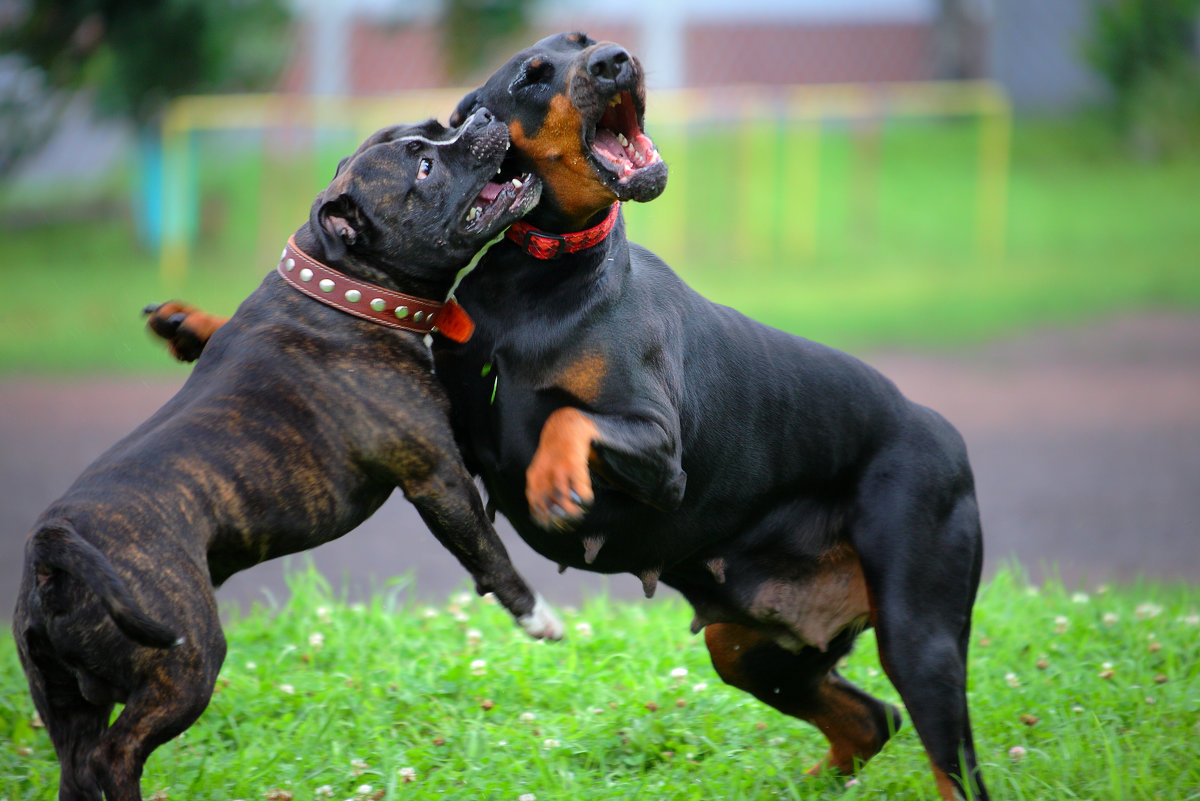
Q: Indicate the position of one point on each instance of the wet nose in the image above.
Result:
(608, 62)
(483, 116)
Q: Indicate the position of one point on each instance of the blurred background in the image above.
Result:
(1002, 192)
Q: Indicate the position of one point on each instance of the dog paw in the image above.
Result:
(558, 483)
(542, 623)
(185, 328)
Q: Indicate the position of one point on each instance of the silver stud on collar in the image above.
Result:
(306, 274)
(353, 295)
(401, 312)
(326, 284)
(283, 255)
(290, 264)
(418, 317)
(378, 304)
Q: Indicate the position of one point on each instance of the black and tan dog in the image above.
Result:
(623, 423)
(297, 424)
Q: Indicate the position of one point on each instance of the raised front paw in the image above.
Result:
(558, 484)
(185, 328)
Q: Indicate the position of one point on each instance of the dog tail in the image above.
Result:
(60, 547)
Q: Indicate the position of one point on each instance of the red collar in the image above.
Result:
(545, 245)
(370, 302)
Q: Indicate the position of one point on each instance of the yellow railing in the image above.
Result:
(803, 109)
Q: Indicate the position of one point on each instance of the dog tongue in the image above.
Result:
(490, 191)
(606, 142)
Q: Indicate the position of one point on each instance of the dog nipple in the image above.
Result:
(591, 547)
(649, 582)
(717, 568)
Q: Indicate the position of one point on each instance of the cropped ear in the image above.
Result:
(339, 224)
(464, 108)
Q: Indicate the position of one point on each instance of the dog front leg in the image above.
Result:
(449, 504)
(640, 456)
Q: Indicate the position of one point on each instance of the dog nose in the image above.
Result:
(484, 116)
(608, 62)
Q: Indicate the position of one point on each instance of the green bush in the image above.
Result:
(1146, 51)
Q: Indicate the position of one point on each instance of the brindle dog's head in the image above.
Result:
(574, 109)
(422, 197)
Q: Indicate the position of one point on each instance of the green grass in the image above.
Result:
(895, 259)
(1112, 678)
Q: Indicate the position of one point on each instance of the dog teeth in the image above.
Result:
(621, 138)
(517, 183)
(616, 101)
(474, 213)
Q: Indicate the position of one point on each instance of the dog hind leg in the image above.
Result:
(923, 624)
(75, 725)
(805, 685)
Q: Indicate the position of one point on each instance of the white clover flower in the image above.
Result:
(583, 629)
(357, 766)
(1190, 620)
(464, 598)
(324, 791)
(407, 774)
(550, 742)
(316, 639)
(852, 783)
(1011, 680)
(489, 598)
(1147, 610)
(776, 741)
(1080, 598)
(700, 687)
(1032, 591)
(364, 789)
(474, 636)
(287, 689)
(527, 717)
(527, 797)
(251, 666)
(461, 617)
(679, 673)
(479, 667)
(324, 616)
(1110, 618)
(358, 608)
(429, 612)
(1060, 624)
(1016, 753)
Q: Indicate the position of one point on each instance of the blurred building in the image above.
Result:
(372, 47)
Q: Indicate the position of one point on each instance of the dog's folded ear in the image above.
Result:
(339, 224)
(464, 108)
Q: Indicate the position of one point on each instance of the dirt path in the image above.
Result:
(1085, 443)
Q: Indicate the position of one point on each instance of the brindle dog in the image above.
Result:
(296, 425)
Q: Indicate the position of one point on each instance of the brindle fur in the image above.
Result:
(295, 426)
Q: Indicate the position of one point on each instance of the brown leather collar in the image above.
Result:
(370, 302)
(545, 245)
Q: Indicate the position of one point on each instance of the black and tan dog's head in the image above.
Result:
(422, 196)
(575, 109)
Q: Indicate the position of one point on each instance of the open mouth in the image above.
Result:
(618, 144)
(502, 201)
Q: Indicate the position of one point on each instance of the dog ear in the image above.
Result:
(464, 108)
(339, 225)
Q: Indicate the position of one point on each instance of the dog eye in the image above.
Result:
(413, 147)
(534, 71)
(424, 169)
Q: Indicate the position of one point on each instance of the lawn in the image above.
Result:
(1088, 693)
(883, 253)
